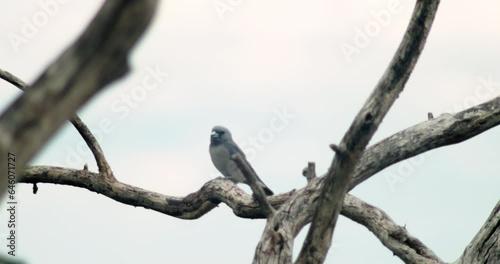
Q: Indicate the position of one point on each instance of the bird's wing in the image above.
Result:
(233, 149)
(233, 169)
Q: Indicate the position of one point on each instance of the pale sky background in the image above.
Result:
(262, 57)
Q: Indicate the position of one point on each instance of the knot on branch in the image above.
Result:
(309, 172)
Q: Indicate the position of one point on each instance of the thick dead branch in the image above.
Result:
(485, 246)
(97, 58)
(354, 142)
(444, 130)
(441, 131)
(191, 206)
(276, 244)
(84, 131)
(396, 238)
(251, 179)
(299, 212)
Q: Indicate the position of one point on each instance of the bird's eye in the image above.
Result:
(222, 132)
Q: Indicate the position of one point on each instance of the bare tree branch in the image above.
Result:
(251, 179)
(191, 206)
(102, 163)
(299, 205)
(441, 131)
(447, 129)
(362, 129)
(299, 212)
(394, 237)
(485, 246)
(277, 241)
(11, 78)
(97, 58)
(84, 131)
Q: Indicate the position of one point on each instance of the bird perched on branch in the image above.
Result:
(222, 147)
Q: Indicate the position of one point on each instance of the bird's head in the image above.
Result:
(220, 134)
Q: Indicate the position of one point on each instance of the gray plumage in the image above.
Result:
(222, 147)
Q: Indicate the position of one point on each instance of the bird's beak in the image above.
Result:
(214, 134)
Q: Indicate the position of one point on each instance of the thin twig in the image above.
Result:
(92, 143)
(84, 131)
(9, 77)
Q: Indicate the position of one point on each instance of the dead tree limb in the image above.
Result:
(366, 122)
(485, 246)
(396, 238)
(97, 58)
(84, 131)
(441, 131)
(445, 130)
(191, 206)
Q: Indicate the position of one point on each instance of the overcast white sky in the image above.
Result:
(243, 68)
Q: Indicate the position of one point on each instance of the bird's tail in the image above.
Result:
(266, 189)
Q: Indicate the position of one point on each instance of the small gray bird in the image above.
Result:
(222, 147)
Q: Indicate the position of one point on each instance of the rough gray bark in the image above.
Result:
(447, 129)
(354, 142)
(485, 246)
(97, 58)
(396, 238)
